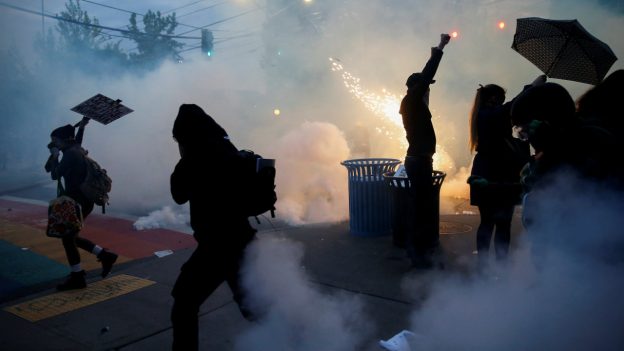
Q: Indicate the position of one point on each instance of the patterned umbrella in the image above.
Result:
(563, 49)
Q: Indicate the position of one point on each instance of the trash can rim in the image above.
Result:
(389, 176)
(354, 160)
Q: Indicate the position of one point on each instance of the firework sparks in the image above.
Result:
(386, 106)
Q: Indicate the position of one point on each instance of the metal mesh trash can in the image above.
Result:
(400, 201)
(369, 196)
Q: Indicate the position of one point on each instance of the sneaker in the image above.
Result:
(108, 259)
(76, 280)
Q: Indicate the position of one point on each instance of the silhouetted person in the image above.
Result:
(72, 170)
(422, 237)
(545, 116)
(495, 175)
(601, 114)
(568, 151)
(208, 177)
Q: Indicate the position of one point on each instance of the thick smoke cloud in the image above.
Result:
(296, 314)
(282, 64)
(311, 189)
(562, 290)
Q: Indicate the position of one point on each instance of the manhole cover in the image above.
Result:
(454, 228)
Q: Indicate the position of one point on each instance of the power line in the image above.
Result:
(177, 17)
(181, 7)
(138, 14)
(202, 9)
(95, 25)
(221, 21)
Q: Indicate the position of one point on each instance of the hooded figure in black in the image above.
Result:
(72, 170)
(422, 237)
(207, 176)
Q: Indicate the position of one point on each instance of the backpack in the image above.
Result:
(97, 183)
(258, 184)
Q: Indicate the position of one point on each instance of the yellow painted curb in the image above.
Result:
(61, 302)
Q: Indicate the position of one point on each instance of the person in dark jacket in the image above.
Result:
(206, 176)
(495, 177)
(422, 238)
(72, 170)
(544, 115)
(601, 115)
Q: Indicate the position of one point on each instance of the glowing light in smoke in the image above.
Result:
(454, 34)
(277, 112)
(386, 105)
(501, 25)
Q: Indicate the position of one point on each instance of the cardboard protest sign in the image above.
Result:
(102, 109)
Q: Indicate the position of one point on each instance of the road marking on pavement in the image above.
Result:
(454, 228)
(62, 302)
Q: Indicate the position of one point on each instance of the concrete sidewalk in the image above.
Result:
(371, 269)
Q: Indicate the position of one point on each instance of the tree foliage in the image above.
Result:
(76, 36)
(80, 43)
(152, 46)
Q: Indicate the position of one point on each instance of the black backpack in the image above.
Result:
(258, 184)
(97, 183)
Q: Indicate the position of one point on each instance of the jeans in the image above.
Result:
(499, 218)
(422, 236)
(200, 276)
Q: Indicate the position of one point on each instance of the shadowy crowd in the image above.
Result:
(585, 138)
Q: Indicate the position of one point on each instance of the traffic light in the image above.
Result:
(207, 42)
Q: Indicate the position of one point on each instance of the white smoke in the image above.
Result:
(296, 314)
(380, 43)
(311, 184)
(562, 290)
(164, 218)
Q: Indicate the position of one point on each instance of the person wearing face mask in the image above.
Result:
(422, 237)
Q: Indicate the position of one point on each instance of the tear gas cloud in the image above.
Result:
(281, 64)
(561, 291)
(296, 315)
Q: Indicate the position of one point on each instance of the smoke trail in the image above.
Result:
(166, 217)
(297, 316)
(561, 292)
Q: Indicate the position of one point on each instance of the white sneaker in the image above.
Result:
(398, 342)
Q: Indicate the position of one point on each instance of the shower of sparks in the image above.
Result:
(386, 106)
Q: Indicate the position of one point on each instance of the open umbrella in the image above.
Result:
(563, 49)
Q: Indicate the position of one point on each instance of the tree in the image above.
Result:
(76, 36)
(80, 44)
(152, 46)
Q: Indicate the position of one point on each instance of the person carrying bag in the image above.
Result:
(71, 207)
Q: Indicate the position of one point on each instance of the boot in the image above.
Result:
(76, 280)
(108, 259)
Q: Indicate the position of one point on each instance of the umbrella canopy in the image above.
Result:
(563, 49)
